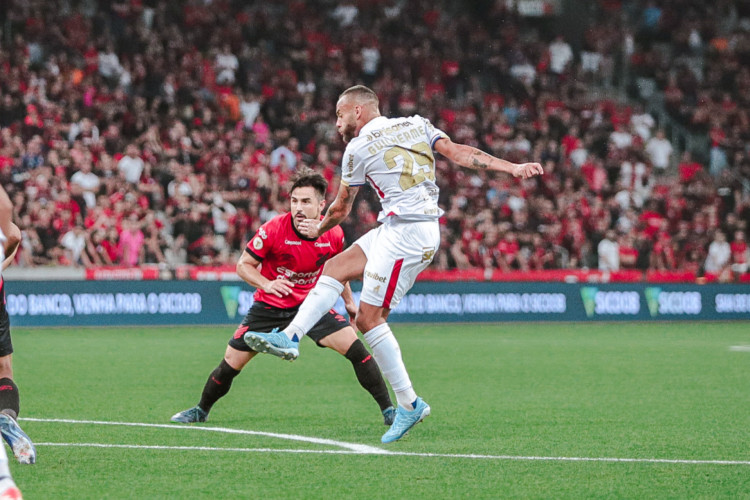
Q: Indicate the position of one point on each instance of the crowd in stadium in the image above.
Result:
(147, 131)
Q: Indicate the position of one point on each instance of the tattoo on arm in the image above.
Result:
(349, 194)
(477, 162)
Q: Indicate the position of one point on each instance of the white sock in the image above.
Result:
(319, 301)
(387, 353)
(4, 470)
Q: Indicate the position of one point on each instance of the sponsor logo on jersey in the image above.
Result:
(375, 276)
(319, 244)
(295, 277)
(292, 242)
(350, 165)
(376, 134)
(257, 243)
(262, 233)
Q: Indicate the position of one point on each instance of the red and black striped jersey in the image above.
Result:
(285, 253)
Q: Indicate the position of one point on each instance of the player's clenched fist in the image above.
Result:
(526, 170)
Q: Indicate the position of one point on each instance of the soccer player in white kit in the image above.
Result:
(395, 155)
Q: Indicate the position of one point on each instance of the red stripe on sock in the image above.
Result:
(392, 282)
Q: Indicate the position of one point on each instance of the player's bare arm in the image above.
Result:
(11, 246)
(337, 212)
(247, 269)
(471, 157)
(10, 230)
(351, 307)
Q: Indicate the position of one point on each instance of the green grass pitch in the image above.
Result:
(598, 410)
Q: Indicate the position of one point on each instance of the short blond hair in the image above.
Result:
(362, 94)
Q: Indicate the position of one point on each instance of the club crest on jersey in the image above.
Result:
(257, 243)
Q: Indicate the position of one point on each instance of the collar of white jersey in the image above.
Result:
(373, 124)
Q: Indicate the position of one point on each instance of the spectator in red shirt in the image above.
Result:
(740, 253)
(652, 218)
(507, 252)
(628, 252)
(688, 167)
(663, 253)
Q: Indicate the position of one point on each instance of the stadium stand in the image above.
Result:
(142, 133)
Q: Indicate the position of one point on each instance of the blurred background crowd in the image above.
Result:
(147, 131)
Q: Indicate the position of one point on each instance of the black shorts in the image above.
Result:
(263, 318)
(6, 346)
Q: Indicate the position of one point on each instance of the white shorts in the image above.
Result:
(397, 251)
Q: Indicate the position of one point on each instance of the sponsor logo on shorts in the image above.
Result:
(427, 254)
(375, 276)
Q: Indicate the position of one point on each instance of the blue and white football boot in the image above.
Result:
(273, 342)
(405, 420)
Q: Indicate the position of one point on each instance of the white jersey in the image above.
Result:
(395, 156)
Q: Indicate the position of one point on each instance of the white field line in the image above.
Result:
(360, 448)
(740, 348)
(349, 448)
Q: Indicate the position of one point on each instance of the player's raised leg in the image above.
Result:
(321, 299)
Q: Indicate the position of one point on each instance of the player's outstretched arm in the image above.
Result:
(471, 157)
(337, 212)
(247, 269)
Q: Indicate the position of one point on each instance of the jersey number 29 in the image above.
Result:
(421, 153)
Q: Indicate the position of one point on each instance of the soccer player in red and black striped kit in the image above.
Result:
(283, 265)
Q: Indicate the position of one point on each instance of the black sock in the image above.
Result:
(217, 385)
(9, 400)
(368, 373)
